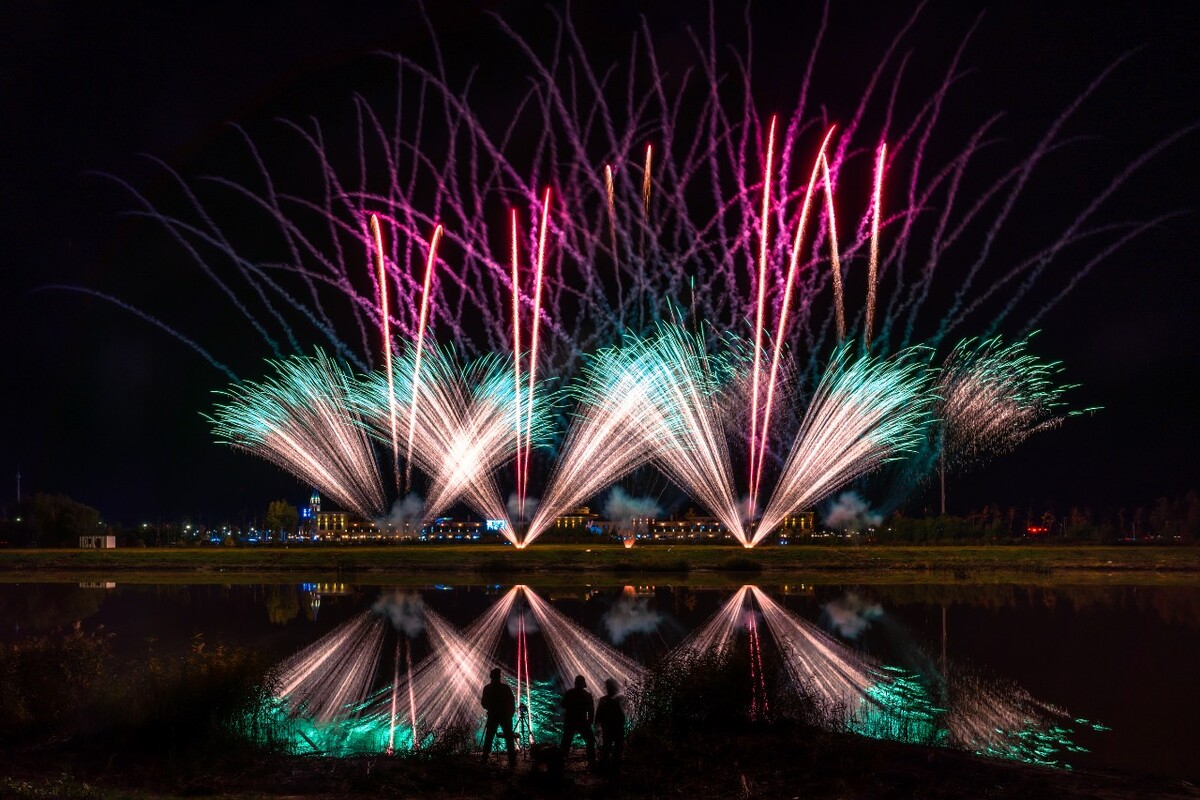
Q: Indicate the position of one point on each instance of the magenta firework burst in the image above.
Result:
(670, 185)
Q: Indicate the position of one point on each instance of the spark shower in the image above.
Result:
(649, 260)
(665, 398)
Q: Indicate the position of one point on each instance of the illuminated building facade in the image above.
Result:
(308, 515)
(579, 520)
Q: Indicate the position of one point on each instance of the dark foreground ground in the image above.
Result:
(755, 764)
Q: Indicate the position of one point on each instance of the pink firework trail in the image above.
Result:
(696, 232)
(412, 412)
(646, 173)
(537, 323)
(611, 196)
(758, 703)
(516, 334)
(387, 344)
(758, 314)
(873, 264)
(391, 745)
(412, 697)
(781, 332)
(533, 339)
(835, 262)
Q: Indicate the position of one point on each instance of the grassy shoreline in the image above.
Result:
(1172, 564)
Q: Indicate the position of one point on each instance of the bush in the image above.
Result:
(63, 685)
(46, 679)
(687, 693)
(208, 698)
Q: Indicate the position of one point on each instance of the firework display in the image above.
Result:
(643, 379)
(304, 419)
(658, 399)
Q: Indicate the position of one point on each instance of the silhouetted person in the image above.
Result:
(499, 701)
(610, 719)
(578, 709)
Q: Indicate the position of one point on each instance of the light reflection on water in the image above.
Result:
(1049, 661)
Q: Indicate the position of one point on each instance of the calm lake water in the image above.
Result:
(1124, 657)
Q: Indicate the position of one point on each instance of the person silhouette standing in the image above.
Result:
(500, 704)
(610, 719)
(578, 710)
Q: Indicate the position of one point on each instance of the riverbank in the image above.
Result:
(1169, 563)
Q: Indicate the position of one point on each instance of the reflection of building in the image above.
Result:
(316, 591)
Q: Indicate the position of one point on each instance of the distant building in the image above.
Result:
(696, 527)
(98, 542)
(331, 524)
(450, 528)
(580, 520)
(342, 526)
(798, 524)
(308, 515)
(691, 526)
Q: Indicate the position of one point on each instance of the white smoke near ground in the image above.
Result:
(623, 508)
(747, 512)
(514, 620)
(851, 615)
(406, 610)
(515, 511)
(850, 512)
(630, 615)
(406, 511)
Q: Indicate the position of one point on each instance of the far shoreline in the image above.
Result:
(609, 563)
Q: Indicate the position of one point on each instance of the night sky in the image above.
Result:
(99, 405)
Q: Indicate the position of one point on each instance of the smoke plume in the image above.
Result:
(630, 615)
(514, 620)
(406, 611)
(850, 512)
(514, 507)
(408, 511)
(851, 615)
(623, 508)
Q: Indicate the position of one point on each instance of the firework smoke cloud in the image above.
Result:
(851, 512)
(849, 616)
(630, 615)
(406, 610)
